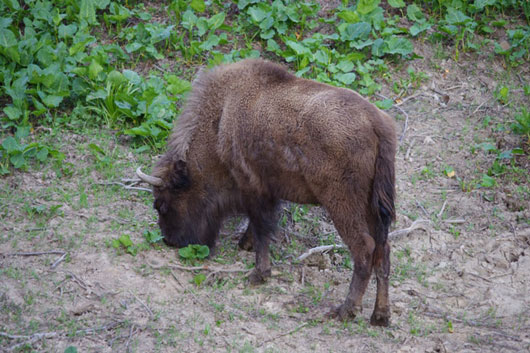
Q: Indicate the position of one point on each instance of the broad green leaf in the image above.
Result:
(210, 42)
(384, 104)
(322, 57)
(70, 349)
(198, 279)
(345, 66)
(298, 48)
(67, 31)
(359, 30)
(42, 155)
(414, 13)
(202, 26)
(419, 27)
(116, 78)
(17, 159)
(7, 38)
(5, 22)
(480, 4)
(188, 19)
(367, 6)
(177, 85)
(94, 69)
(12, 4)
(132, 76)
(347, 78)
(396, 3)
(487, 181)
(52, 101)
(198, 5)
(456, 17)
(349, 16)
(10, 144)
(398, 45)
(217, 20)
(13, 113)
(99, 94)
(87, 11)
(125, 240)
(257, 13)
(133, 47)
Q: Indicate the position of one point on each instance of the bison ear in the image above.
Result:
(179, 178)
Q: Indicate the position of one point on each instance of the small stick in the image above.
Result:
(476, 110)
(143, 304)
(392, 235)
(422, 208)
(78, 280)
(58, 261)
(37, 253)
(409, 149)
(175, 277)
(408, 98)
(298, 328)
(129, 339)
(442, 209)
(455, 221)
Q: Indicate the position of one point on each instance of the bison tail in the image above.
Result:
(383, 191)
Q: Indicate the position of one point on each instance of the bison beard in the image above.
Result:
(252, 134)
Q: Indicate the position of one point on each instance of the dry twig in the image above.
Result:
(34, 338)
(296, 329)
(58, 261)
(36, 253)
(418, 224)
(143, 304)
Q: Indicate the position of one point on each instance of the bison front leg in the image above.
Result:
(262, 224)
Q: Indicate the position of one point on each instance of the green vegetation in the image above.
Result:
(67, 61)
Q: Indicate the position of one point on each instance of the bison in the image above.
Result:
(252, 134)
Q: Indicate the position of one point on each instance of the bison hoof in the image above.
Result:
(258, 277)
(380, 318)
(344, 312)
(246, 243)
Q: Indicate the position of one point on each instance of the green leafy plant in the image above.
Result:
(194, 252)
(521, 125)
(125, 242)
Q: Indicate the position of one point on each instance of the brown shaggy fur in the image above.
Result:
(252, 134)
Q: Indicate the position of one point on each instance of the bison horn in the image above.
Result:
(149, 179)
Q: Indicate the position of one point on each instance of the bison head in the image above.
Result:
(182, 215)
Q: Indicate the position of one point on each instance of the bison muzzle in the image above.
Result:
(252, 134)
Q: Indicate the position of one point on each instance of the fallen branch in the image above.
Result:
(418, 224)
(442, 209)
(58, 261)
(213, 270)
(34, 338)
(36, 253)
(143, 304)
(298, 328)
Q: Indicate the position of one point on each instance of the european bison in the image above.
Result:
(252, 134)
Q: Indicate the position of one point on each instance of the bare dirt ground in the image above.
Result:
(459, 284)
